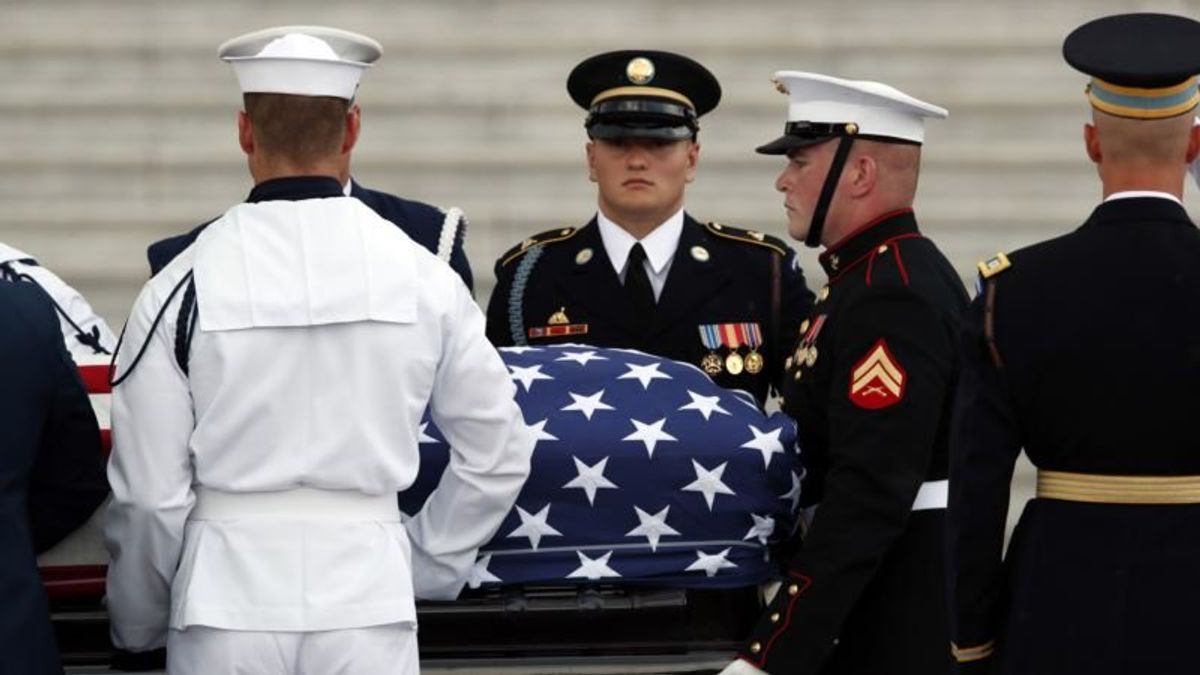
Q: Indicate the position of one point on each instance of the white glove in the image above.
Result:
(740, 667)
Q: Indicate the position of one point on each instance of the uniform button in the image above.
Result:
(793, 589)
(787, 365)
(775, 617)
(799, 374)
(755, 647)
(882, 249)
(804, 327)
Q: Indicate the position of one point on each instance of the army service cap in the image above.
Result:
(821, 107)
(300, 60)
(643, 94)
(1143, 66)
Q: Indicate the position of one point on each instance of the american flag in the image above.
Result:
(645, 471)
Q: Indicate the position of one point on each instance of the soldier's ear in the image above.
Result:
(353, 127)
(245, 133)
(1091, 141)
(1193, 149)
(861, 172)
(693, 159)
(591, 160)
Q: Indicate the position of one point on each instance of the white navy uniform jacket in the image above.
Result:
(322, 333)
(72, 306)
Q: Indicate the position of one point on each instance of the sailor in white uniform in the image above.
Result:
(268, 405)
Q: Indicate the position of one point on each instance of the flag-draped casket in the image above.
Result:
(645, 472)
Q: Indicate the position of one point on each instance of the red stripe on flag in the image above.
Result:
(95, 379)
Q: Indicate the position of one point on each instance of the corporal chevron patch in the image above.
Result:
(878, 380)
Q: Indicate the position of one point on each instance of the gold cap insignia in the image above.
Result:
(583, 256)
(640, 70)
(852, 129)
(700, 254)
(559, 318)
(779, 86)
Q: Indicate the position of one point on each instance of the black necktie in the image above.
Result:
(637, 285)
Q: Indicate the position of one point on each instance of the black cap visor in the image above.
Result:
(641, 118)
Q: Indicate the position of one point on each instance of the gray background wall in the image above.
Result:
(117, 123)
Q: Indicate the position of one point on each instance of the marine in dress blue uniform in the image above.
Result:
(725, 299)
(1081, 350)
(871, 381)
(51, 470)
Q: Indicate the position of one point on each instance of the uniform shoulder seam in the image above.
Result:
(540, 239)
(747, 237)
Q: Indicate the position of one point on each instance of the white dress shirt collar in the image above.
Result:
(659, 245)
(1133, 194)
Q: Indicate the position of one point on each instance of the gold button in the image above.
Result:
(823, 294)
(793, 589)
(804, 327)
(882, 249)
(798, 375)
(755, 647)
(787, 365)
(775, 617)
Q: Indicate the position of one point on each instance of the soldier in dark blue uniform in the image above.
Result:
(51, 470)
(643, 273)
(871, 382)
(1083, 351)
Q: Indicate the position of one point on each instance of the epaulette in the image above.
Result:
(547, 237)
(747, 237)
(994, 265)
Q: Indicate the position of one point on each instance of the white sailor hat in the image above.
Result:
(300, 60)
(821, 107)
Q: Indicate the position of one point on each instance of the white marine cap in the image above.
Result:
(821, 107)
(300, 60)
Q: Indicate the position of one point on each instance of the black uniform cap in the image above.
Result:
(1143, 65)
(643, 94)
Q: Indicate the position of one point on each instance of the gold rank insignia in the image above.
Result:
(878, 380)
(994, 265)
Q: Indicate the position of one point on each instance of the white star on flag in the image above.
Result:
(534, 527)
(764, 527)
(766, 443)
(540, 433)
(652, 527)
(593, 569)
(581, 358)
(423, 437)
(588, 405)
(711, 564)
(527, 376)
(705, 405)
(479, 574)
(590, 478)
(649, 434)
(519, 350)
(708, 483)
(644, 374)
(793, 494)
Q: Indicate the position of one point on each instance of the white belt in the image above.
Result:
(305, 503)
(932, 495)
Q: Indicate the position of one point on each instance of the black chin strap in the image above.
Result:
(813, 239)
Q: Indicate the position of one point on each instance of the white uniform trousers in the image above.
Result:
(374, 650)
